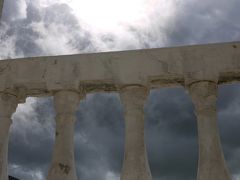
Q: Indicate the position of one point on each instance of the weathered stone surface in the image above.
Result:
(63, 165)
(151, 67)
(135, 164)
(8, 104)
(211, 163)
(1, 7)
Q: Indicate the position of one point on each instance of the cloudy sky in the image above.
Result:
(55, 27)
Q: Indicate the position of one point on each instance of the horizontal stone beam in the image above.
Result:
(37, 76)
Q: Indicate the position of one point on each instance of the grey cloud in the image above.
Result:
(229, 124)
(100, 122)
(30, 34)
(12, 9)
(193, 22)
(205, 22)
(171, 135)
(31, 138)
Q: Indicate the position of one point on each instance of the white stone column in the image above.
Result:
(63, 164)
(8, 104)
(135, 164)
(211, 163)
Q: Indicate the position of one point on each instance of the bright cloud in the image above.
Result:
(111, 14)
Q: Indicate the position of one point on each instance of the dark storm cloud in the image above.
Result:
(171, 135)
(229, 123)
(100, 124)
(193, 22)
(199, 22)
(31, 138)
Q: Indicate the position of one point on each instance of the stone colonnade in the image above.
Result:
(211, 164)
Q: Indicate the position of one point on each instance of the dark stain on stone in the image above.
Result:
(57, 133)
(234, 46)
(64, 168)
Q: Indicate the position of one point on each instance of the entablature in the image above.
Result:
(109, 71)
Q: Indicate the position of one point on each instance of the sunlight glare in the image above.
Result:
(108, 14)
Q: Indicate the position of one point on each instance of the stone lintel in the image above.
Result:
(154, 68)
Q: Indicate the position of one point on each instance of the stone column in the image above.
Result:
(63, 165)
(211, 163)
(135, 164)
(8, 104)
(1, 8)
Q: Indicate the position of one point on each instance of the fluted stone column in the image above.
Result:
(63, 165)
(8, 104)
(211, 163)
(135, 164)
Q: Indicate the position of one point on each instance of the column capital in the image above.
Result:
(8, 105)
(63, 97)
(204, 95)
(20, 92)
(134, 96)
